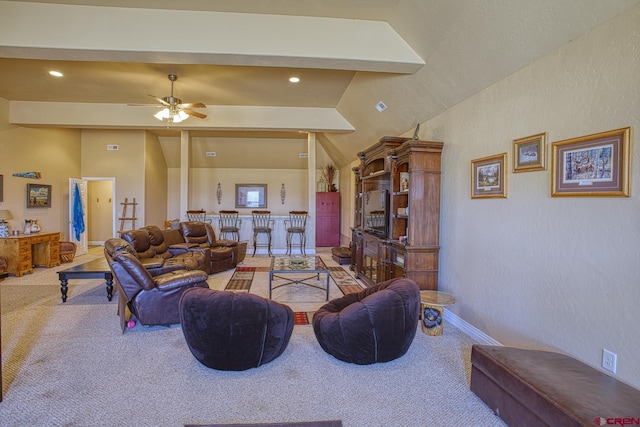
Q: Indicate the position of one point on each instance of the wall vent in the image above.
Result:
(112, 148)
(303, 155)
(210, 154)
(381, 106)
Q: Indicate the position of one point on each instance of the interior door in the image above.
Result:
(83, 246)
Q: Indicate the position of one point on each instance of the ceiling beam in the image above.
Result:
(91, 33)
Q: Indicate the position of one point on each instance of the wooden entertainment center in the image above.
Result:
(406, 172)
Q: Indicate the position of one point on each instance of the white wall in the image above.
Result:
(531, 270)
(203, 184)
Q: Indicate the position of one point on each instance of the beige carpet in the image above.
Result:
(70, 365)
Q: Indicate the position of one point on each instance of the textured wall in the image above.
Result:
(531, 270)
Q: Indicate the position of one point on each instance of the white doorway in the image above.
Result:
(101, 210)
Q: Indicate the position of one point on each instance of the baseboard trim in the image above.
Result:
(470, 330)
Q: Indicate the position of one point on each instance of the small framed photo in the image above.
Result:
(592, 166)
(404, 182)
(251, 195)
(38, 196)
(489, 177)
(530, 153)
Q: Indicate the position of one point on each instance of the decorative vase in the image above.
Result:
(4, 229)
(35, 227)
(27, 226)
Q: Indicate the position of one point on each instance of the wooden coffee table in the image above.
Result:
(96, 269)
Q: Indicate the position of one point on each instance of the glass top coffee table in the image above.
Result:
(297, 264)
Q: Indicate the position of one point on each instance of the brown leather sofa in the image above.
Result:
(161, 251)
(153, 300)
(224, 253)
(193, 245)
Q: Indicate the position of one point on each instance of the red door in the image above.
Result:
(328, 219)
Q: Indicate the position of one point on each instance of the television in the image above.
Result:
(376, 212)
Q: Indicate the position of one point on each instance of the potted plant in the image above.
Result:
(328, 174)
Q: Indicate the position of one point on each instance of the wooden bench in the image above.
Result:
(541, 388)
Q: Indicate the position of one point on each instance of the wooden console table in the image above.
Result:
(26, 251)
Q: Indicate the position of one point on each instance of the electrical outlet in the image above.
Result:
(609, 360)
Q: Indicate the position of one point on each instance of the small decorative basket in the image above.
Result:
(66, 257)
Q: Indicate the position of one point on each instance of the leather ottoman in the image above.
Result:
(542, 388)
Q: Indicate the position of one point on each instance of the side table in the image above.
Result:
(432, 304)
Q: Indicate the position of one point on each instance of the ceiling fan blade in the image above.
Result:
(193, 105)
(161, 101)
(195, 114)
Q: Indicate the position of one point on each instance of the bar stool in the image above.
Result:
(230, 224)
(262, 223)
(297, 224)
(198, 215)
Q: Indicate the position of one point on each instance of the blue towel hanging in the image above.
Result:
(78, 214)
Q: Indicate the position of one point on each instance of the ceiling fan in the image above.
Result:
(175, 110)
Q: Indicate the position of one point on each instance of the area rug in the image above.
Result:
(241, 279)
(302, 317)
(345, 282)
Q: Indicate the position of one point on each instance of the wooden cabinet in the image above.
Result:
(27, 251)
(328, 219)
(409, 170)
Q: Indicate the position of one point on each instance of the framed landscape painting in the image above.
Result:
(529, 153)
(592, 166)
(38, 196)
(489, 177)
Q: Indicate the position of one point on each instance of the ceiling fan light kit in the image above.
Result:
(174, 110)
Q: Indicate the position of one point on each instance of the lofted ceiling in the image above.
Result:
(419, 57)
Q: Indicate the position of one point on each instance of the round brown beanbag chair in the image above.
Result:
(377, 324)
(234, 331)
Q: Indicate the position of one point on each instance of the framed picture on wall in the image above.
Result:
(489, 177)
(592, 165)
(530, 153)
(251, 196)
(38, 196)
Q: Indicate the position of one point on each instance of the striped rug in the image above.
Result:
(344, 281)
(302, 317)
(241, 279)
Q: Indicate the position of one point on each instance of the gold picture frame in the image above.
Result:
(530, 153)
(594, 165)
(489, 177)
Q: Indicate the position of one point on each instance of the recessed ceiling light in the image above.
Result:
(56, 73)
(294, 79)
